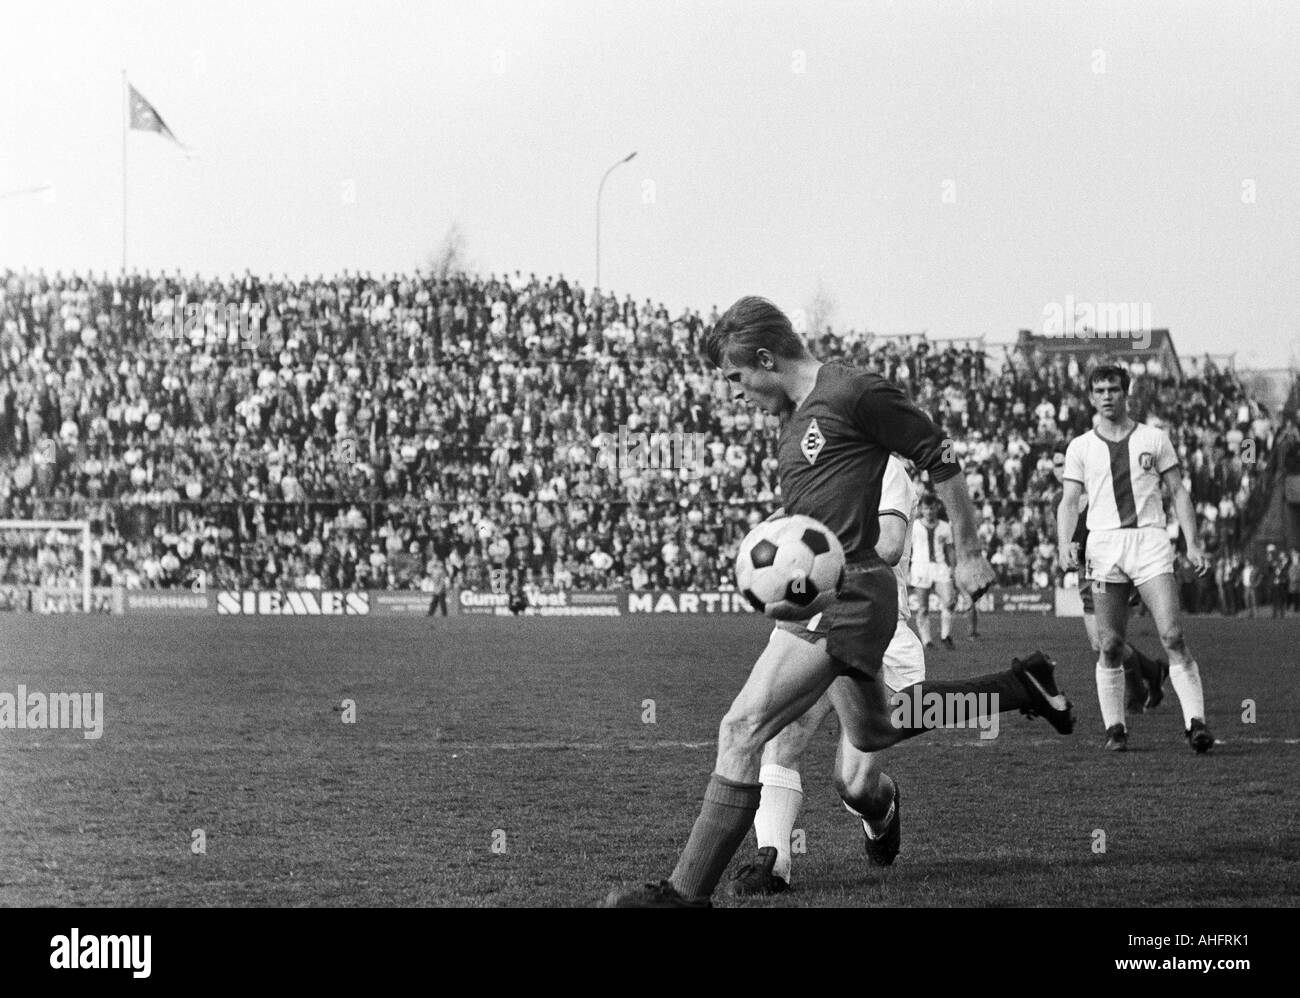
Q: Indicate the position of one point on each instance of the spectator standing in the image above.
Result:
(1293, 577)
(1249, 586)
(1280, 583)
(435, 584)
(1234, 584)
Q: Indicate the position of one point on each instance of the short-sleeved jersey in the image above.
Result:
(1121, 477)
(833, 450)
(928, 542)
(898, 498)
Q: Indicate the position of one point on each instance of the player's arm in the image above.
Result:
(1067, 521)
(973, 574)
(893, 537)
(886, 415)
(1186, 514)
(950, 553)
(897, 498)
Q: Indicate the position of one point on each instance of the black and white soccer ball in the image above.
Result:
(790, 568)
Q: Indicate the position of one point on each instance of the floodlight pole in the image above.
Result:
(599, 191)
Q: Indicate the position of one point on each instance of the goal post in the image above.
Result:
(80, 526)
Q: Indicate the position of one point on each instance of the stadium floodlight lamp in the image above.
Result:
(599, 191)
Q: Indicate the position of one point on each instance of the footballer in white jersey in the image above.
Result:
(931, 539)
(1120, 465)
(1144, 676)
(1121, 477)
(932, 558)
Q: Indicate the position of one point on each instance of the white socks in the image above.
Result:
(778, 810)
(945, 624)
(1186, 681)
(1110, 693)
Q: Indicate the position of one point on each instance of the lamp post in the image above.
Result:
(27, 190)
(599, 191)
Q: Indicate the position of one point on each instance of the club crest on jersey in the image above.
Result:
(812, 442)
(1147, 460)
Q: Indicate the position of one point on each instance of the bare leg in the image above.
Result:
(1161, 596)
(923, 616)
(859, 777)
(1111, 602)
(782, 780)
(947, 603)
(788, 678)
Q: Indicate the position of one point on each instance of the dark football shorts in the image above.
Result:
(859, 625)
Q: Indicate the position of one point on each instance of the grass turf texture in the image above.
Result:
(506, 762)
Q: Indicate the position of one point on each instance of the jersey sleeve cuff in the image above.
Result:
(894, 512)
(943, 472)
(1067, 478)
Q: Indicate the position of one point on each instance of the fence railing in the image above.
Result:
(374, 513)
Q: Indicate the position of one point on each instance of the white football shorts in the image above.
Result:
(1129, 554)
(904, 659)
(925, 575)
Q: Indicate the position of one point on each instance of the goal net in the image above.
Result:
(45, 566)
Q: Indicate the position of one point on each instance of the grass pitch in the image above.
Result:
(512, 762)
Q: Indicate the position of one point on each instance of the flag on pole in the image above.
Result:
(145, 118)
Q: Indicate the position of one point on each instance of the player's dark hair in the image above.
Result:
(751, 324)
(1108, 372)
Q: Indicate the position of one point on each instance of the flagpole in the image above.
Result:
(126, 125)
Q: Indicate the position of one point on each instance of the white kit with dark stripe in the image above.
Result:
(1122, 477)
(928, 542)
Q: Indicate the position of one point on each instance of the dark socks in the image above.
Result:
(950, 703)
(724, 821)
(1134, 675)
(1149, 668)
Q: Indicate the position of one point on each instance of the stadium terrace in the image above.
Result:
(475, 408)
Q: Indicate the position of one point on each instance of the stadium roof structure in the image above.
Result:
(1152, 349)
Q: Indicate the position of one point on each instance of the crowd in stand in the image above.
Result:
(1266, 587)
(421, 432)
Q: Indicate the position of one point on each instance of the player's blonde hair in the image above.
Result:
(750, 325)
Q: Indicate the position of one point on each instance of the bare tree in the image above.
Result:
(449, 258)
(820, 309)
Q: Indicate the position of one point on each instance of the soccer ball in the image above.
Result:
(790, 568)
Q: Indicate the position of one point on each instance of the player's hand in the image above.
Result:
(1070, 556)
(1199, 559)
(974, 575)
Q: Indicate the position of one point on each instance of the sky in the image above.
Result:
(965, 169)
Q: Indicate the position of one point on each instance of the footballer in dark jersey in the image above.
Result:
(839, 427)
(833, 449)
